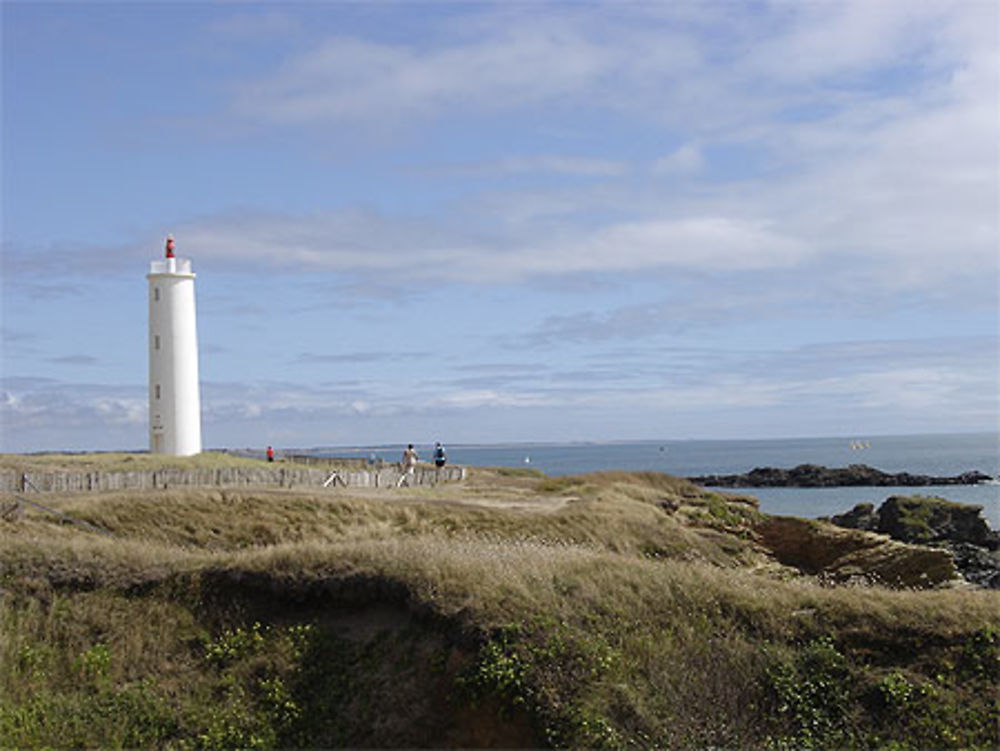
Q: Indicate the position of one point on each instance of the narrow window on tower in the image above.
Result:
(156, 294)
(156, 341)
(157, 390)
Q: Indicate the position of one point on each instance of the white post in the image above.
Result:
(174, 400)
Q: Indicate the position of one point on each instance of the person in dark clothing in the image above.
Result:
(439, 456)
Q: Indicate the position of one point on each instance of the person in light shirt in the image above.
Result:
(409, 466)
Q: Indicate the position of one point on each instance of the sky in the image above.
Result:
(481, 222)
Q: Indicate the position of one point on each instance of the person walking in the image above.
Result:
(440, 458)
(270, 454)
(409, 466)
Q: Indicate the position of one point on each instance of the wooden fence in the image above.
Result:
(12, 481)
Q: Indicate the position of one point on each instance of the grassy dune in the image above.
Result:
(605, 611)
(122, 462)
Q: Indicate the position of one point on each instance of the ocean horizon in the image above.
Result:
(938, 454)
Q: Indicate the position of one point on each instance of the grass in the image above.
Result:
(113, 461)
(605, 611)
(123, 462)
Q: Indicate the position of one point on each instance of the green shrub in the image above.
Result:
(560, 484)
(981, 654)
(896, 691)
(519, 472)
(812, 692)
(94, 664)
(234, 644)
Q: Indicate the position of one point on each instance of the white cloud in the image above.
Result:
(683, 312)
(705, 243)
(56, 405)
(918, 193)
(349, 78)
(370, 244)
(720, 69)
(815, 41)
(857, 390)
(896, 181)
(119, 411)
(891, 171)
(685, 160)
(949, 383)
(477, 398)
(902, 174)
(911, 388)
(577, 166)
(761, 162)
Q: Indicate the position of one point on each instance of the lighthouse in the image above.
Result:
(174, 401)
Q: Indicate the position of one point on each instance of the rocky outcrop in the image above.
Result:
(863, 516)
(957, 528)
(928, 520)
(853, 556)
(816, 476)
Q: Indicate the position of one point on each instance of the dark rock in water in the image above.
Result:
(815, 476)
(935, 522)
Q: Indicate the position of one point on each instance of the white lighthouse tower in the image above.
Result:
(174, 402)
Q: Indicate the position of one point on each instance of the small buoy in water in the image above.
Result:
(527, 460)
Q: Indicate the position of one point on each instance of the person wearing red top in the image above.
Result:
(270, 454)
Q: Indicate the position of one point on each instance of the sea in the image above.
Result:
(938, 454)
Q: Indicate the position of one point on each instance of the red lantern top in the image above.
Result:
(170, 246)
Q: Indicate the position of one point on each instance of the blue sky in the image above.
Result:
(491, 222)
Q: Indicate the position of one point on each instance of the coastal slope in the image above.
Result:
(510, 611)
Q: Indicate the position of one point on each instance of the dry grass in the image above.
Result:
(615, 609)
(626, 517)
(525, 537)
(122, 462)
